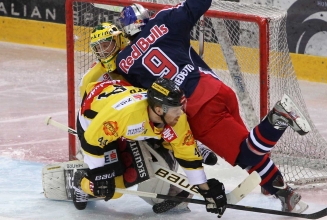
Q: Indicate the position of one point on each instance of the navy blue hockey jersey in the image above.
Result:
(162, 49)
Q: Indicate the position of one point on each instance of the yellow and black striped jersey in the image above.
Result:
(114, 109)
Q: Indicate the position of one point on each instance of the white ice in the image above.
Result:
(33, 86)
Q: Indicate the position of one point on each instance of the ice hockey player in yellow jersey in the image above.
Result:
(114, 109)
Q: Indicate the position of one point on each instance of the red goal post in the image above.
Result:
(246, 45)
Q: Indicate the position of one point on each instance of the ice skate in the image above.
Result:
(285, 113)
(291, 201)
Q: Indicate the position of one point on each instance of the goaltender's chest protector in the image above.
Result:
(162, 49)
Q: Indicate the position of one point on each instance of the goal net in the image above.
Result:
(246, 45)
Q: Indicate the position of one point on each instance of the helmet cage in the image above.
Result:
(102, 52)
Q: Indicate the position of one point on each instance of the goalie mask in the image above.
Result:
(133, 19)
(166, 94)
(106, 42)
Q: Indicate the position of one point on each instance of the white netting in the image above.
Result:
(302, 159)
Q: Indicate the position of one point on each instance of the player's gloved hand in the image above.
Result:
(103, 182)
(216, 196)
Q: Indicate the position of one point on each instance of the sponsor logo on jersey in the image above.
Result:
(135, 129)
(110, 128)
(181, 76)
(106, 76)
(160, 89)
(169, 134)
(123, 103)
(188, 139)
(110, 157)
(142, 45)
(139, 96)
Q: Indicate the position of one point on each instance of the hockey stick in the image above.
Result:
(315, 215)
(49, 121)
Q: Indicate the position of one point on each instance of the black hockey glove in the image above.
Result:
(103, 182)
(216, 196)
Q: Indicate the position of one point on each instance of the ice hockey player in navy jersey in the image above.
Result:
(160, 47)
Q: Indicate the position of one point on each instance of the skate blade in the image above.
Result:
(300, 207)
(301, 121)
(180, 209)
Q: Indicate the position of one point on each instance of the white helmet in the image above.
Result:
(133, 19)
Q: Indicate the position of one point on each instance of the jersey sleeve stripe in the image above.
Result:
(90, 113)
(195, 164)
(89, 149)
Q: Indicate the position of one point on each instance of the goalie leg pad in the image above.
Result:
(57, 179)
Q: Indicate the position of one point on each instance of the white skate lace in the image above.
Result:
(81, 196)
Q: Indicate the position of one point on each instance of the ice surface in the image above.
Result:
(33, 86)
